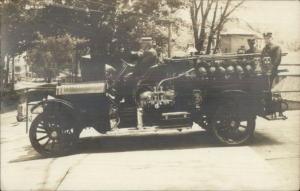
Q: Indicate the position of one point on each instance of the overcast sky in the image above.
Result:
(281, 17)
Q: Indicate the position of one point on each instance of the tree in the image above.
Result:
(52, 54)
(16, 32)
(224, 16)
(147, 18)
(108, 25)
(200, 11)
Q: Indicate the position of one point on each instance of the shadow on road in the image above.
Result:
(261, 139)
(31, 155)
(109, 144)
(147, 142)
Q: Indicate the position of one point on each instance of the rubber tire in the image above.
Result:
(64, 150)
(251, 122)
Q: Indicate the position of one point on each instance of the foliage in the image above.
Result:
(52, 53)
(17, 30)
(109, 25)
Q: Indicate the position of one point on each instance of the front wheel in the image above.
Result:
(231, 129)
(53, 135)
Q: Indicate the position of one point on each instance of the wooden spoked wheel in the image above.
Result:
(53, 135)
(228, 127)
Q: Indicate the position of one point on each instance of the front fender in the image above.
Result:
(52, 106)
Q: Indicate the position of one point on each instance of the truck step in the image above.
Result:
(176, 115)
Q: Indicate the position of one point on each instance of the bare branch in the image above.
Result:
(226, 8)
(201, 6)
(214, 16)
(212, 29)
(194, 4)
(234, 8)
(208, 8)
(222, 16)
(198, 7)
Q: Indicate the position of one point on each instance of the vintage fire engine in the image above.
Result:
(223, 94)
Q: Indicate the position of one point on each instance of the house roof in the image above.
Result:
(236, 26)
(238, 31)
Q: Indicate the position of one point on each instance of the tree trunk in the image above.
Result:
(169, 39)
(195, 27)
(212, 29)
(218, 40)
(97, 67)
(202, 37)
(209, 42)
(7, 70)
(98, 46)
(2, 75)
(76, 64)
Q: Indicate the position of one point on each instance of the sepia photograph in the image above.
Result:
(150, 95)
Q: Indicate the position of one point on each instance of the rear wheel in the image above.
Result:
(230, 128)
(53, 135)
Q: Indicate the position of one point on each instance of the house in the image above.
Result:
(235, 35)
(21, 67)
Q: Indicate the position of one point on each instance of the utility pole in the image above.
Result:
(169, 39)
(167, 19)
(169, 22)
(7, 71)
(13, 72)
(76, 64)
(2, 75)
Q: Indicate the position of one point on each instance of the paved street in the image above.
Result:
(172, 160)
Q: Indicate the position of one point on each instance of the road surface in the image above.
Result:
(168, 161)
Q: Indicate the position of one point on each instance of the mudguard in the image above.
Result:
(48, 106)
(245, 102)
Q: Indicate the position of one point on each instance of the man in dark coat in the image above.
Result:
(147, 56)
(251, 44)
(274, 52)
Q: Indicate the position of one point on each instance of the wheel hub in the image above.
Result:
(233, 123)
(53, 134)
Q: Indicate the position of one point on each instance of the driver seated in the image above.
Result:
(147, 57)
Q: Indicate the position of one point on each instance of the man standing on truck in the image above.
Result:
(274, 52)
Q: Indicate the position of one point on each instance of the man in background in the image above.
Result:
(252, 47)
(274, 52)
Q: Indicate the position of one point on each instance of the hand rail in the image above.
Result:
(217, 57)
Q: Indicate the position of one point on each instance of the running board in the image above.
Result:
(151, 129)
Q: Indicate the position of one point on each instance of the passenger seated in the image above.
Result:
(147, 57)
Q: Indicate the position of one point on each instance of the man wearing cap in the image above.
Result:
(251, 44)
(147, 56)
(272, 51)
